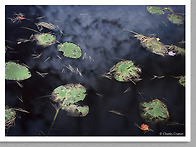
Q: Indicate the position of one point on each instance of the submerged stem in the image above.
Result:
(57, 111)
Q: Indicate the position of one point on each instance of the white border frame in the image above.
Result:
(185, 138)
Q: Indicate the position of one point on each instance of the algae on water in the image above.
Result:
(14, 71)
(154, 112)
(155, 10)
(70, 50)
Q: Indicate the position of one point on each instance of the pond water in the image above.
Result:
(100, 32)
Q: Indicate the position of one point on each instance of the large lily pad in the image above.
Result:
(154, 112)
(182, 81)
(125, 71)
(69, 94)
(155, 10)
(175, 19)
(76, 111)
(14, 71)
(70, 50)
(45, 39)
(152, 44)
(10, 116)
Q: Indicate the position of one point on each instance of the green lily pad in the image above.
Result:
(10, 116)
(182, 81)
(69, 94)
(45, 39)
(70, 50)
(175, 19)
(125, 71)
(155, 10)
(154, 112)
(177, 50)
(76, 111)
(14, 71)
(152, 44)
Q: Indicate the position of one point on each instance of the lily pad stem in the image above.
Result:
(57, 111)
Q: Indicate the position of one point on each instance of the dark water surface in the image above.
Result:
(99, 31)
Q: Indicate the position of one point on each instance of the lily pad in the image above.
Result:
(70, 50)
(10, 116)
(69, 94)
(154, 112)
(175, 19)
(76, 111)
(182, 81)
(45, 39)
(125, 71)
(14, 71)
(152, 44)
(155, 10)
(177, 50)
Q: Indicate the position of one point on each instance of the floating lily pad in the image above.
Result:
(68, 94)
(125, 71)
(45, 39)
(177, 50)
(175, 19)
(154, 112)
(182, 81)
(70, 50)
(152, 44)
(76, 111)
(10, 116)
(14, 71)
(155, 10)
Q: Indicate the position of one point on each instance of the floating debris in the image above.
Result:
(70, 50)
(41, 74)
(182, 81)
(14, 71)
(46, 59)
(168, 9)
(176, 50)
(84, 56)
(175, 19)
(128, 89)
(50, 26)
(91, 59)
(70, 68)
(157, 77)
(152, 44)
(144, 127)
(18, 17)
(154, 112)
(35, 56)
(78, 71)
(125, 71)
(99, 95)
(116, 112)
(10, 116)
(45, 39)
(155, 10)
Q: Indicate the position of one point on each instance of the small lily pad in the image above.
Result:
(10, 116)
(14, 71)
(125, 71)
(182, 81)
(154, 112)
(76, 111)
(70, 50)
(152, 44)
(69, 94)
(177, 50)
(45, 39)
(175, 19)
(155, 10)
